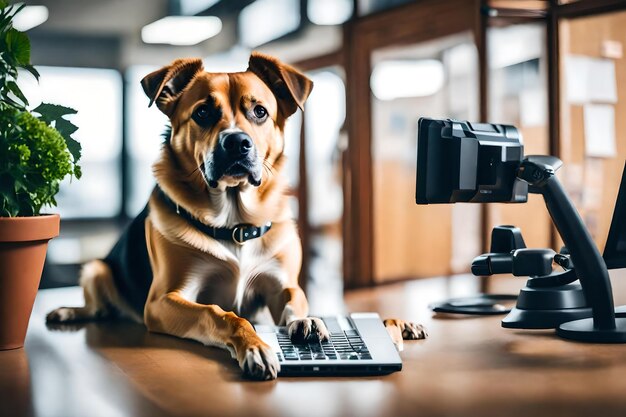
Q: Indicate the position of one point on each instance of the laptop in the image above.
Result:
(359, 345)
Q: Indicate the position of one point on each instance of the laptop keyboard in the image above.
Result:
(342, 345)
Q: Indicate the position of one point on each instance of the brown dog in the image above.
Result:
(216, 242)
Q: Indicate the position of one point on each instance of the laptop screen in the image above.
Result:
(615, 249)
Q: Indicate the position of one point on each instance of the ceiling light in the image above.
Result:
(29, 17)
(266, 20)
(181, 30)
(412, 78)
(329, 12)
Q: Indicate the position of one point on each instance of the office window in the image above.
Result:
(144, 129)
(518, 84)
(325, 115)
(325, 141)
(292, 152)
(437, 78)
(97, 96)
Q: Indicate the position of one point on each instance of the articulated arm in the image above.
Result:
(591, 270)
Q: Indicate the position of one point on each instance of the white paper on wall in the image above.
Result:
(602, 83)
(590, 79)
(599, 121)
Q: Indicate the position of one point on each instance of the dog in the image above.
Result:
(216, 242)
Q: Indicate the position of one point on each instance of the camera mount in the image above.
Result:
(548, 299)
(463, 162)
(590, 269)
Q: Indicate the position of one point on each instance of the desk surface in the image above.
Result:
(468, 367)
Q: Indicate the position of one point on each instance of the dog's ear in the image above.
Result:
(164, 86)
(289, 85)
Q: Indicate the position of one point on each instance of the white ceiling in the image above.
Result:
(74, 32)
(101, 17)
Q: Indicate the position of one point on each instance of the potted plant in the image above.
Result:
(36, 153)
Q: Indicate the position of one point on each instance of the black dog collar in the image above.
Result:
(239, 234)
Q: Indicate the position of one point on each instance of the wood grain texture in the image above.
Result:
(467, 367)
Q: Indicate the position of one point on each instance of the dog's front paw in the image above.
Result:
(62, 315)
(310, 328)
(259, 362)
(400, 330)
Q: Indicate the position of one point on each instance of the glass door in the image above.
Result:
(417, 60)
(437, 79)
(518, 95)
(324, 143)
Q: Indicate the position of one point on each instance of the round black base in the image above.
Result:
(543, 319)
(583, 331)
(481, 304)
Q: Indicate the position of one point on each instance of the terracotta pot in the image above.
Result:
(23, 244)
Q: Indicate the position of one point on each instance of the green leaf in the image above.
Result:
(15, 9)
(10, 202)
(19, 45)
(52, 112)
(13, 103)
(75, 149)
(13, 87)
(72, 145)
(65, 127)
(19, 186)
(32, 70)
(6, 16)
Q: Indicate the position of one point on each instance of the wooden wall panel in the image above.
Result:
(410, 241)
(593, 182)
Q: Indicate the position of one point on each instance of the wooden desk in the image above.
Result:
(468, 367)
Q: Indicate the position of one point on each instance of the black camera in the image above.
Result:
(459, 161)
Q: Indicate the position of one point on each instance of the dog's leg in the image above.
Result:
(290, 308)
(101, 297)
(167, 311)
(209, 324)
(400, 330)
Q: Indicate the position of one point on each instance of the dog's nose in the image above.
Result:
(237, 144)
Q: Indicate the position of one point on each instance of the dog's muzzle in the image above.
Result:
(235, 155)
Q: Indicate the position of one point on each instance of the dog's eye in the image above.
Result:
(260, 112)
(206, 115)
(202, 112)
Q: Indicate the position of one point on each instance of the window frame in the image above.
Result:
(362, 36)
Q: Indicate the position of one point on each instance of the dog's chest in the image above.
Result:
(240, 286)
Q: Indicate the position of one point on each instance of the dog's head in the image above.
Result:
(228, 125)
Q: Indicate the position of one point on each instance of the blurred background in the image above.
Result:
(553, 68)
